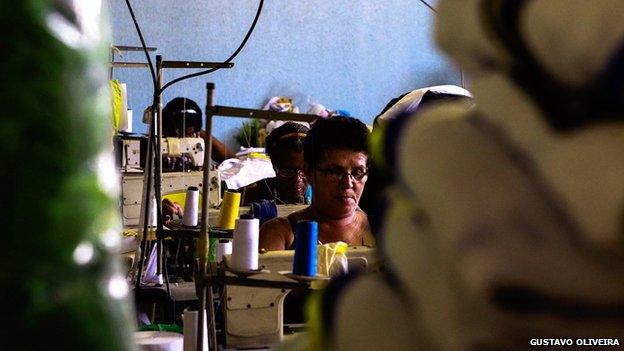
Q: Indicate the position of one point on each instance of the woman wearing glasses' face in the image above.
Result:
(285, 147)
(338, 182)
(335, 158)
(290, 181)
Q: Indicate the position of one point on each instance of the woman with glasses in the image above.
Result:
(284, 145)
(336, 165)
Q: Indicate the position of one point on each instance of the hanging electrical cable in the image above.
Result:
(224, 64)
(138, 29)
(429, 6)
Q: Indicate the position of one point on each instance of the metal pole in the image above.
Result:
(158, 163)
(146, 202)
(203, 241)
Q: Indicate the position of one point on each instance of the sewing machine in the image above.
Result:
(130, 151)
(254, 316)
(172, 183)
(191, 147)
(127, 149)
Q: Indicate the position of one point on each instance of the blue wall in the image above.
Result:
(345, 54)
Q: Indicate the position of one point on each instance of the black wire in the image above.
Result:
(429, 6)
(138, 29)
(224, 64)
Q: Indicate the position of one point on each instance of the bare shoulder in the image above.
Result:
(299, 215)
(276, 224)
(365, 232)
(276, 234)
(362, 220)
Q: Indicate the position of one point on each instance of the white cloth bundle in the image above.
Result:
(239, 172)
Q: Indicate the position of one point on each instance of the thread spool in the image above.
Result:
(306, 235)
(224, 247)
(191, 205)
(229, 210)
(245, 244)
(190, 330)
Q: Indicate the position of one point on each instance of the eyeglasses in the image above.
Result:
(290, 172)
(336, 174)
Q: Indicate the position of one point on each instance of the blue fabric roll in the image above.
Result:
(306, 234)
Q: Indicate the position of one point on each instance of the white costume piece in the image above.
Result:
(411, 101)
(502, 229)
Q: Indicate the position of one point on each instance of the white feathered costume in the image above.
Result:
(506, 222)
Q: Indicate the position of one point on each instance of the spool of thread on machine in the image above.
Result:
(245, 244)
(229, 209)
(224, 247)
(306, 235)
(191, 205)
(190, 331)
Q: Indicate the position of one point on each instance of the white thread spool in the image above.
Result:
(245, 244)
(224, 247)
(189, 319)
(191, 205)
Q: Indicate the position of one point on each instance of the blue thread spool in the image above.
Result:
(306, 234)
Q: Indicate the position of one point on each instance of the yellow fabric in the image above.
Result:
(117, 101)
(327, 254)
(259, 155)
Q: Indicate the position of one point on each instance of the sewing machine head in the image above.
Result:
(193, 148)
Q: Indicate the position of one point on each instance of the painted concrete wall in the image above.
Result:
(345, 54)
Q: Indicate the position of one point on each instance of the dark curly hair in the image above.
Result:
(289, 135)
(334, 133)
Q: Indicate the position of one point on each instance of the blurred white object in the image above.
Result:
(158, 341)
(499, 227)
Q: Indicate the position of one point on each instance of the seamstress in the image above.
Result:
(284, 145)
(182, 114)
(335, 163)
